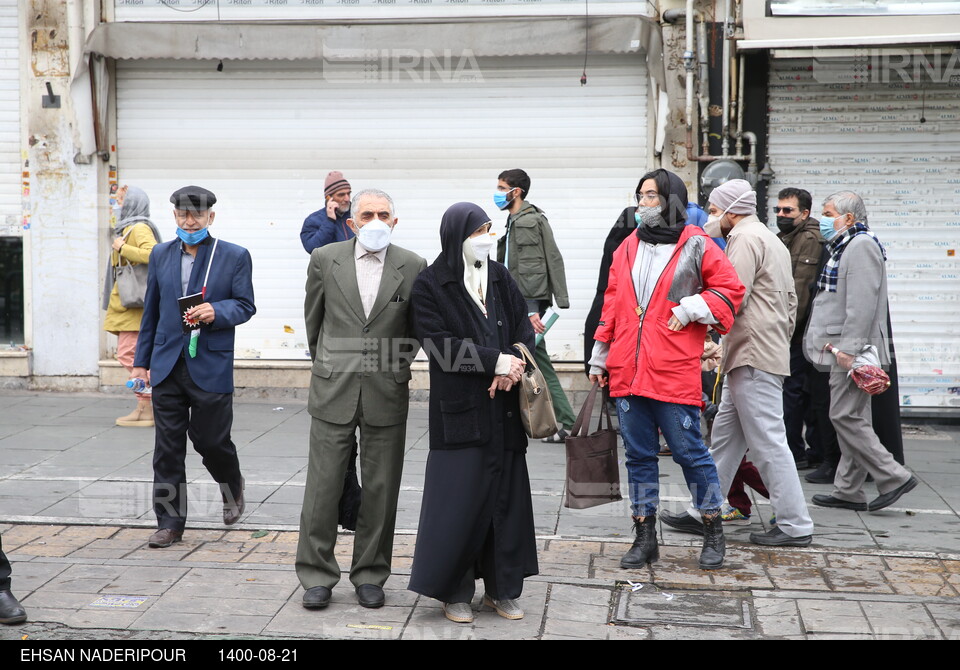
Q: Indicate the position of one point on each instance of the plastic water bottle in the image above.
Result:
(137, 385)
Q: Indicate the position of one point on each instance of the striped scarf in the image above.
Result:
(828, 277)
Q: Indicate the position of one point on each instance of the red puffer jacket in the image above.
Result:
(647, 358)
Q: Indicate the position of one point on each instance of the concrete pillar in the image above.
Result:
(64, 241)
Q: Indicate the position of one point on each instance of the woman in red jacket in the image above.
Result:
(668, 283)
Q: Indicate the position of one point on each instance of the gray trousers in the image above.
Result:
(860, 449)
(751, 417)
(381, 465)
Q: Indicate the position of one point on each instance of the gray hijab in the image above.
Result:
(136, 209)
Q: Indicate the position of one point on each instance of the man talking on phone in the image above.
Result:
(330, 223)
(321, 228)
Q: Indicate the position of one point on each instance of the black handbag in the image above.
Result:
(593, 471)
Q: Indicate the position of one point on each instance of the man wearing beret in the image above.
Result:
(192, 374)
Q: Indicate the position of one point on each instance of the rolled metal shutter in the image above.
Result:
(263, 135)
(894, 138)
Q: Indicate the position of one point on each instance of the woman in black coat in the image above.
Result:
(476, 519)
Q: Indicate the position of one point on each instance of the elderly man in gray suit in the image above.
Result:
(361, 343)
(849, 314)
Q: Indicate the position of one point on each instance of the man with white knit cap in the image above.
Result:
(756, 358)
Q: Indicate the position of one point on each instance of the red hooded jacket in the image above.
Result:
(647, 358)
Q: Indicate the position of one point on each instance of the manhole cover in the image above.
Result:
(652, 606)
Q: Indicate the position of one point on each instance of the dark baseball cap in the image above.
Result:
(193, 198)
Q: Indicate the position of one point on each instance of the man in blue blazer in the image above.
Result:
(193, 383)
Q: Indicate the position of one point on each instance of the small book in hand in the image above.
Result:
(189, 302)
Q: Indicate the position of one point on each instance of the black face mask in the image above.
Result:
(785, 224)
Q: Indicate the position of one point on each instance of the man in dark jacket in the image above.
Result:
(330, 223)
(321, 228)
(531, 255)
(192, 372)
(801, 234)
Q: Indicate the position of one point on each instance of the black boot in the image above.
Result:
(644, 549)
(714, 546)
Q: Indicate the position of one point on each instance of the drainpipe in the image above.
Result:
(728, 28)
(739, 134)
(704, 92)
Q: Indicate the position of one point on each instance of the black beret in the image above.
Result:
(194, 198)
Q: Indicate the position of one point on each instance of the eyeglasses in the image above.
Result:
(785, 210)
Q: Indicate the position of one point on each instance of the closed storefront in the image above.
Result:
(431, 131)
(886, 124)
(13, 181)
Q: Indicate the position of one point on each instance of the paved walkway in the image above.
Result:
(75, 517)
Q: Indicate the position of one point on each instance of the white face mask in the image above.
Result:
(712, 226)
(374, 236)
(482, 245)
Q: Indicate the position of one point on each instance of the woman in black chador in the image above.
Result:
(476, 520)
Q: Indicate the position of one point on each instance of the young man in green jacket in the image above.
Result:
(534, 261)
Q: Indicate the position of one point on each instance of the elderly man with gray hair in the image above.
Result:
(849, 315)
(756, 358)
(361, 340)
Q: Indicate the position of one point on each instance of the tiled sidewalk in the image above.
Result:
(75, 516)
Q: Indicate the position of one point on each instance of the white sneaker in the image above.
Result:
(508, 609)
(458, 612)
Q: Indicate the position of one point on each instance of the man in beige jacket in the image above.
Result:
(756, 358)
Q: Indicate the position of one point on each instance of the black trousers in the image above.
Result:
(796, 402)
(4, 569)
(181, 409)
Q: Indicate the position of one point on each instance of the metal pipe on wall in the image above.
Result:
(725, 132)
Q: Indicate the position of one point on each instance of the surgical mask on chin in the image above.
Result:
(193, 238)
(480, 246)
(712, 226)
(649, 217)
(785, 224)
(374, 236)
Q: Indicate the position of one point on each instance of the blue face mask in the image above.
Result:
(500, 199)
(194, 238)
(826, 228)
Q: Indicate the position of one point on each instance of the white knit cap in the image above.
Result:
(735, 196)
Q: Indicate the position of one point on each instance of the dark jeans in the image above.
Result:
(640, 419)
(181, 408)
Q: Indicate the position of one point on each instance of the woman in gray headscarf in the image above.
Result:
(134, 236)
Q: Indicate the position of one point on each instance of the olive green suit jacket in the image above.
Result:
(358, 359)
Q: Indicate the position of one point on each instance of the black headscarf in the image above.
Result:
(459, 222)
(673, 203)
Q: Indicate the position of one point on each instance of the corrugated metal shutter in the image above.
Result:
(844, 124)
(262, 136)
(10, 211)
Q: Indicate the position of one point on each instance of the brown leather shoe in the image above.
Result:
(164, 538)
(233, 507)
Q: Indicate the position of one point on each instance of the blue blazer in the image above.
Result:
(230, 292)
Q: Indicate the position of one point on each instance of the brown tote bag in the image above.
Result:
(593, 473)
